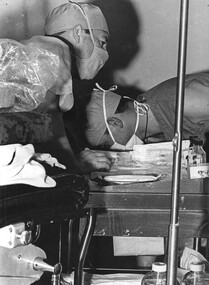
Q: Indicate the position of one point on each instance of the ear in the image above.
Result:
(115, 122)
(77, 30)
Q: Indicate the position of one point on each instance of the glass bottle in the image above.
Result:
(196, 153)
(191, 152)
(157, 276)
(196, 275)
(201, 152)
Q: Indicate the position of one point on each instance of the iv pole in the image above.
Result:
(177, 146)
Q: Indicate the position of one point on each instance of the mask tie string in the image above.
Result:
(87, 20)
(137, 122)
(141, 108)
(104, 91)
(112, 88)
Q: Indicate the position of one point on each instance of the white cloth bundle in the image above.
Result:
(19, 164)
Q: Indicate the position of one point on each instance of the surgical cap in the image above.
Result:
(68, 15)
(95, 116)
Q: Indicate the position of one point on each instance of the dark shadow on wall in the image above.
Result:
(124, 27)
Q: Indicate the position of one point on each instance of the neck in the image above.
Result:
(62, 39)
(148, 126)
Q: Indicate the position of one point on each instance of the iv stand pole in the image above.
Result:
(177, 146)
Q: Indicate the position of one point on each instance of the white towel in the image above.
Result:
(18, 164)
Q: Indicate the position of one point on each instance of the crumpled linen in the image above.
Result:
(19, 164)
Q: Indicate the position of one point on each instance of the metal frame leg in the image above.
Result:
(86, 237)
(70, 231)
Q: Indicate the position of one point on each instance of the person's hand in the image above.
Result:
(92, 160)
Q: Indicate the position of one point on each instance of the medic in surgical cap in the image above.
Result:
(102, 105)
(90, 17)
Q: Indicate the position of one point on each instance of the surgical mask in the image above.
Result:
(140, 108)
(89, 67)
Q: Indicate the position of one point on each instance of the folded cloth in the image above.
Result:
(18, 165)
(192, 256)
(49, 159)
